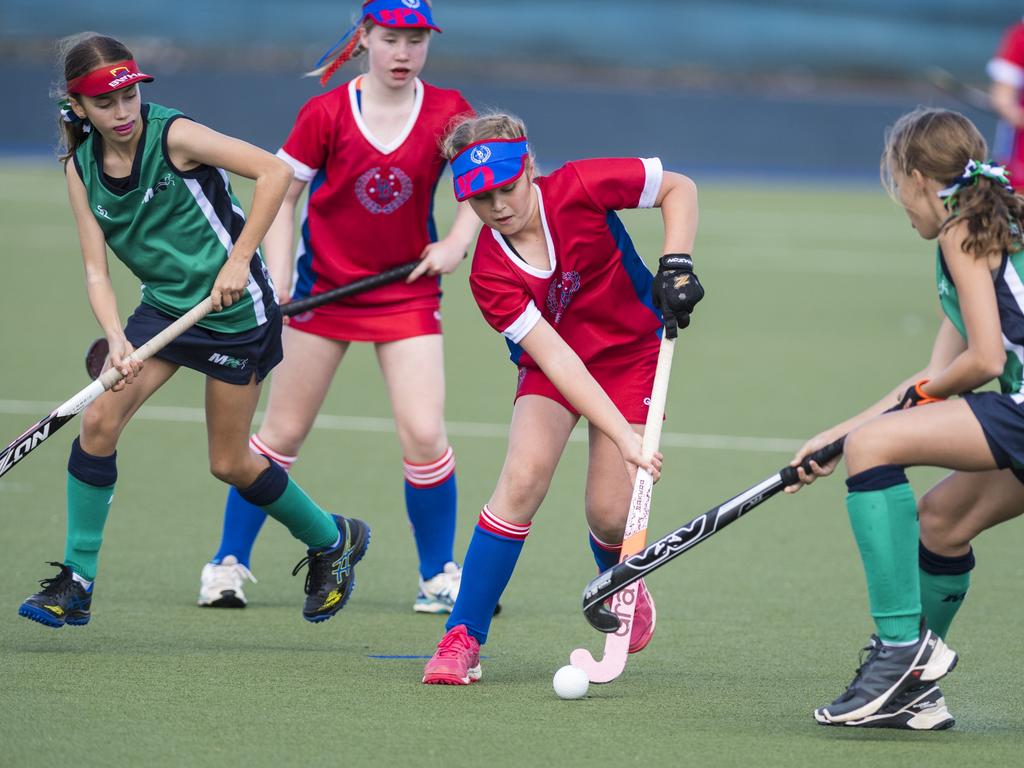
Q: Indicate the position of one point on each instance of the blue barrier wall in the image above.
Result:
(830, 36)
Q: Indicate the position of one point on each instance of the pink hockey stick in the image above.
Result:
(616, 647)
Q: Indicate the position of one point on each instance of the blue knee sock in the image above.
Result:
(242, 523)
(604, 555)
(431, 506)
(490, 560)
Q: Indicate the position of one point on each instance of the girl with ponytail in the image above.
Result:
(152, 185)
(369, 153)
(917, 556)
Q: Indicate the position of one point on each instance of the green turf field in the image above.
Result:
(818, 299)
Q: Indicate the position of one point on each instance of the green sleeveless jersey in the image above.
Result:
(173, 229)
(1009, 285)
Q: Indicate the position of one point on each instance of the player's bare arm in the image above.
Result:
(563, 366)
(1005, 100)
(189, 145)
(102, 298)
(677, 199)
(984, 356)
(278, 243)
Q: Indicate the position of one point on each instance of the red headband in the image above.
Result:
(108, 78)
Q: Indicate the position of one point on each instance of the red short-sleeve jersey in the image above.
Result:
(596, 292)
(1007, 66)
(370, 205)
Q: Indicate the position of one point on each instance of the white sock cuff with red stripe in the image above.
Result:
(491, 523)
(605, 545)
(432, 473)
(259, 446)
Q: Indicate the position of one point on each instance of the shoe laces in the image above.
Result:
(867, 655)
(319, 566)
(454, 644)
(236, 569)
(57, 585)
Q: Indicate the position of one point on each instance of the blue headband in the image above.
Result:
(398, 14)
(488, 164)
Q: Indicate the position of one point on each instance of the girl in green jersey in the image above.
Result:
(935, 165)
(152, 185)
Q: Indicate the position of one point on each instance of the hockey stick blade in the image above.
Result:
(631, 569)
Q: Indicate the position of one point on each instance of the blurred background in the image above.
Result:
(736, 87)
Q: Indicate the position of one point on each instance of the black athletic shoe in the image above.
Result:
(331, 576)
(920, 708)
(885, 673)
(62, 600)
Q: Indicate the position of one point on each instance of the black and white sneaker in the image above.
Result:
(62, 600)
(332, 576)
(887, 672)
(921, 708)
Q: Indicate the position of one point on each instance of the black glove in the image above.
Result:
(676, 291)
(915, 396)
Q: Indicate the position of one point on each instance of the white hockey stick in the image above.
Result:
(30, 439)
(616, 647)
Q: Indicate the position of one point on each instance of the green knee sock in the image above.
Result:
(883, 515)
(944, 585)
(306, 521)
(87, 513)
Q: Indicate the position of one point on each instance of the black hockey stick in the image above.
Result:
(688, 536)
(969, 95)
(97, 353)
(30, 439)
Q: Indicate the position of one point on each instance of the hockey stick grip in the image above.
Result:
(392, 275)
(821, 456)
(111, 376)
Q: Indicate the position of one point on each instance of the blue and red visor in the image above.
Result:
(400, 14)
(488, 164)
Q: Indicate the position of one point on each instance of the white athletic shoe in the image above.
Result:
(438, 593)
(220, 585)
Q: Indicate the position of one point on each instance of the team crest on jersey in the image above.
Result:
(560, 293)
(411, 3)
(383, 190)
(481, 154)
(161, 186)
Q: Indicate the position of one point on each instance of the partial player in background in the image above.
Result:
(369, 150)
(556, 273)
(152, 185)
(934, 164)
(1006, 69)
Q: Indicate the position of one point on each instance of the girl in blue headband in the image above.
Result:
(555, 273)
(918, 572)
(369, 153)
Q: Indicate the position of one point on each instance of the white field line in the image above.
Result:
(180, 414)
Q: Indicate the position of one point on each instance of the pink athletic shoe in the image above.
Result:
(456, 660)
(644, 619)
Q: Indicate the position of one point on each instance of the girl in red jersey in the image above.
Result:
(555, 272)
(369, 150)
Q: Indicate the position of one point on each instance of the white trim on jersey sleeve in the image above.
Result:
(652, 186)
(1006, 72)
(523, 324)
(302, 171)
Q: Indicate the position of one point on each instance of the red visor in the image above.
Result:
(108, 78)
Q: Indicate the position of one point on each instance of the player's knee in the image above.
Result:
(943, 529)
(863, 450)
(605, 527)
(230, 470)
(525, 485)
(100, 425)
(423, 441)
